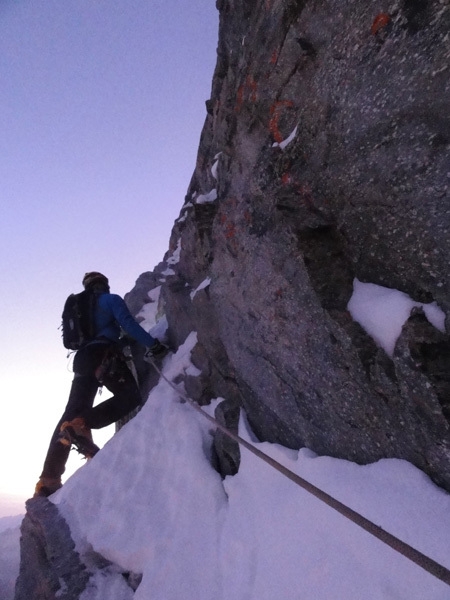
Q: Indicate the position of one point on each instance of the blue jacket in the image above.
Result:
(111, 314)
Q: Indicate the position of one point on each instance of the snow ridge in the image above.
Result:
(151, 503)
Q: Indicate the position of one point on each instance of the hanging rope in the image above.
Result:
(423, 561)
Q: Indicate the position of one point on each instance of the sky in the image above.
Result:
(151, 503)
(101, 109)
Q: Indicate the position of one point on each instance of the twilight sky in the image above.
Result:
(101, 108)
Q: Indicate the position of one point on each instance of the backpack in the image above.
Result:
(78, 320)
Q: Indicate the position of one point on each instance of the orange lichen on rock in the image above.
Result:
(239, 98)
(380, 21)
(275, 110)
(250, 86)
(230, 231)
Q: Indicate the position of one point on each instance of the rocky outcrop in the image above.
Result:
(50, 568)
(324, 157)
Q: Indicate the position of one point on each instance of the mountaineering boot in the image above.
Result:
(77, 433)
(46, 486)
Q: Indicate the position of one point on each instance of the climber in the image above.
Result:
(99, 361)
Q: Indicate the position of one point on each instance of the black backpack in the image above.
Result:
(78, 326)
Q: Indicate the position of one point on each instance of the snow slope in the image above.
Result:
(151, 503)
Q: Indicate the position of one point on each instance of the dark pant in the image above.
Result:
(96, 361)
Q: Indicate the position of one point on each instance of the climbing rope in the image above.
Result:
(423, 561)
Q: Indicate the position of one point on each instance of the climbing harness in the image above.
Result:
(423, 561)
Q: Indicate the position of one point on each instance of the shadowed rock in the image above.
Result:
(50, 568)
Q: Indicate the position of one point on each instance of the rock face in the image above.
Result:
(324, 157)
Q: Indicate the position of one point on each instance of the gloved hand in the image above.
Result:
(158, 350)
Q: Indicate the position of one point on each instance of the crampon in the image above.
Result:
(82, 444)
